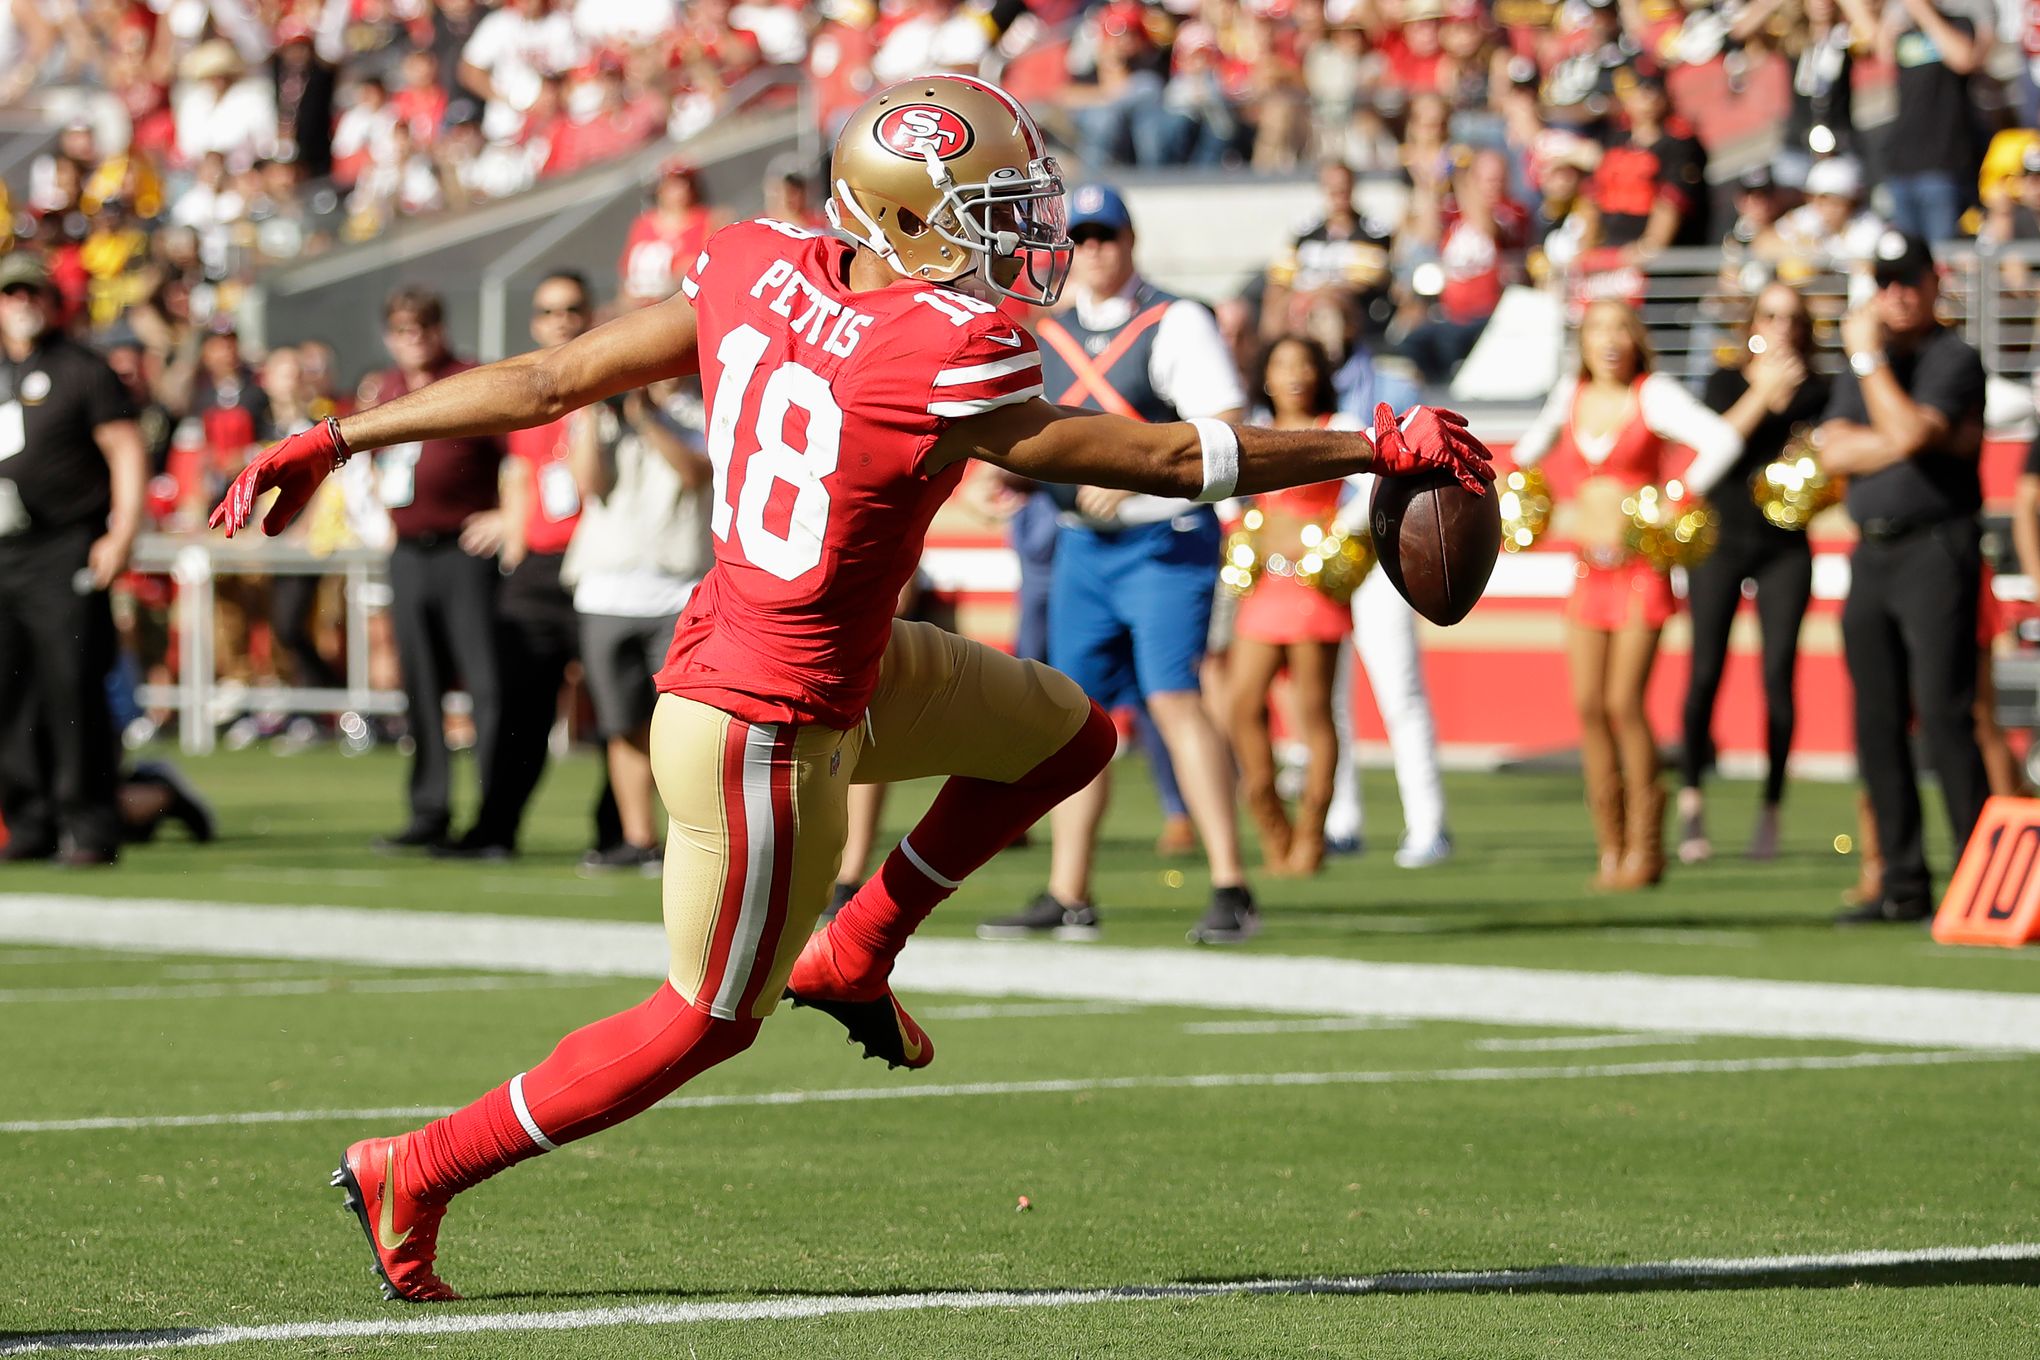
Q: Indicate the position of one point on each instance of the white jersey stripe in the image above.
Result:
(997, 368)
(690, 288)
(761, 844)
(979, 407)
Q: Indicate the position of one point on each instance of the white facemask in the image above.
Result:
(23, 324)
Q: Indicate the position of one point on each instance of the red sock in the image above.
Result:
(971, 820)
(599, 1075)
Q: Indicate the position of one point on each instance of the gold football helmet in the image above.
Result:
(945, 175)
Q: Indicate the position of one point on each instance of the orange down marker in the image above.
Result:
(1994, 897)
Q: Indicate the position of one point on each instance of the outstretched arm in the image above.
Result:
(530, 389)
(1181, 458)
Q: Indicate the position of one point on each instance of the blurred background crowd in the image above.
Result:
(1469, 156)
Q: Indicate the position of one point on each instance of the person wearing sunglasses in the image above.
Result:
(1905, 427)
(537, 631)
(1768, 393)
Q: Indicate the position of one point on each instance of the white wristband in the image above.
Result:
(1220, 443)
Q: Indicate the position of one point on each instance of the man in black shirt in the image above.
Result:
(72, 478)
(1930, 149)
(1905, 425)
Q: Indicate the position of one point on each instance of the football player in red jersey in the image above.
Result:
(849, 376)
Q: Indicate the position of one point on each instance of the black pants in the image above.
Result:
(58, 762)
(443, 605)
(1782, 567)
(1910, 631)
(537, 634)
(291, 601)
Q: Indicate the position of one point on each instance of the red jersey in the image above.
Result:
(654, 254)
(553, 500)
(823, 404)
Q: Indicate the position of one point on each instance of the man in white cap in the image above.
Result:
(1832, 230)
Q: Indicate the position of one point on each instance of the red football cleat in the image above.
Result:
(403, 1231)
(875, 1020)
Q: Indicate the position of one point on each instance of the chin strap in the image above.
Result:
(873, 239)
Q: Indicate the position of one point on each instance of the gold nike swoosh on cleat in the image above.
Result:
(386, 1220)
(909, 1045)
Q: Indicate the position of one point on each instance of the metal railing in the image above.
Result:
(1693, 300)
(199, 699)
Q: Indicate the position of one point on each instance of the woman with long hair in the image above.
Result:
(1284, 623)
(1767, 391)
(1619, 419)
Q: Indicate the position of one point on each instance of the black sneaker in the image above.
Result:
(1883, 913)
(20, 851)
(476, 847)
(416, 836)
(186, 808)
(1045, 915)
(646, 859)
(1232, 919)
(839, 898)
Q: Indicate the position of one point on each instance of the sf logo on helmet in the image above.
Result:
(904, 131)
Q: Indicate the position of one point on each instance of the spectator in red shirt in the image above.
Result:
(1479, 234)
(1650, 191)
(790, 198)
(666, 237)
(612, 123)
(1417, 63)
(421, 98)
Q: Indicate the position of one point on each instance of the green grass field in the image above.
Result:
(1307, 1179)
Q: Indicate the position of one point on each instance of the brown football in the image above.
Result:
(1436, 541)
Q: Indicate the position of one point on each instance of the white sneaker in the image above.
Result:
(1416, 854)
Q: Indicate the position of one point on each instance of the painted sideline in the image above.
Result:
(1699, 1271)
(1919, 1016)
(857, 1095)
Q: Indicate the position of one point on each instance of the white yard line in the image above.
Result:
(430, 1324)
(501, 982)
(1923, 1016)
(1025, 1010)
(1209, 1081)
(1580, 1043)
(1330, 1026)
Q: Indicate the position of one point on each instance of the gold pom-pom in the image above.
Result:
(1793, 489)
(1666, 529)
(1240, 563)
(1526, 508)
(1335, 562)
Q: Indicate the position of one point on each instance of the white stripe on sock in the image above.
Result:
(914, 858)
(524, 1115)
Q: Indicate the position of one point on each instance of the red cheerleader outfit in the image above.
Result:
(1662, 414)
(1280, 610)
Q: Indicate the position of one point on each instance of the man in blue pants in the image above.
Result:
(1134, 575)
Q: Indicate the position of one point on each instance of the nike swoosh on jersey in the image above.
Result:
(386, 1221)
(1011, 341)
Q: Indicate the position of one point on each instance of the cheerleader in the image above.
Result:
(1285, 623)
(1767, 393)
(1618, 418)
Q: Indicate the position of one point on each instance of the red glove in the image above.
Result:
(294, 467)
(1430, 438)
